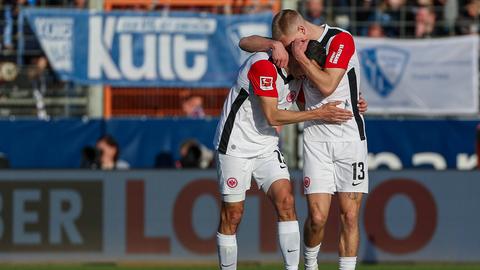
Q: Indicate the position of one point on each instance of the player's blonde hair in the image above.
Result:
(285, 23)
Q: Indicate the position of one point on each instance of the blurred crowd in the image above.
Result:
(25, 72)
(376, 18)
(397, 18)
(11, 29)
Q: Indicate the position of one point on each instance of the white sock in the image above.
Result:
(310, 255)
(289, 239)
(227, 251)
(347, 263)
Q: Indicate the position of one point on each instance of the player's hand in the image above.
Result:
(299, 46)
(362, 105)
(330, 113)
(279, 55)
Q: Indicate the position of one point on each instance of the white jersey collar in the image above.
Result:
(325, 30)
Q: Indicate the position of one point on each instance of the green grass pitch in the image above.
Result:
(241, 267)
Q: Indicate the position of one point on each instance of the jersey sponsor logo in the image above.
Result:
(232, 182)
(306, 182)
(332, 57)
(336, 55)
(291, 96)
(383, 67)
(266, 83)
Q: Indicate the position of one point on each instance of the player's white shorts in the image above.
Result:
(235, 174)
(331, 167)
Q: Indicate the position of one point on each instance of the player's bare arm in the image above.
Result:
(362, 105)
(328, 113)
(325, 80)
(262, 44)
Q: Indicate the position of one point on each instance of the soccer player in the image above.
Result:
(335, 155)
(247, 146)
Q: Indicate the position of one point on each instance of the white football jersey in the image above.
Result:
(340, 54)
(243, 131)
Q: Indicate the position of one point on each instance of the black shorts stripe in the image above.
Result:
(352, 82)
(227, 128)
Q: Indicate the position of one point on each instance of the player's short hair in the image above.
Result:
(284, 23)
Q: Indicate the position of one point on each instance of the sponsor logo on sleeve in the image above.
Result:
(266, 83)
(336, 55)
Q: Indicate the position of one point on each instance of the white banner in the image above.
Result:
(173, 216)
(430, 76)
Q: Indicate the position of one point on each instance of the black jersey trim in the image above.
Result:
(227, 128)
(330, 33)
(286, 79)
(352, 82)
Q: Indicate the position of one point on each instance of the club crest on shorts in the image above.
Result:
(306, 182)
(383, 67)
(232, 182)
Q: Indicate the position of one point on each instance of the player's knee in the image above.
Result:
(286, 207)
(350, 219)
(318, 219)
(234, 215)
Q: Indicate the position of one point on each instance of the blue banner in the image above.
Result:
(392, 144)
(431, 144)
(145, 49)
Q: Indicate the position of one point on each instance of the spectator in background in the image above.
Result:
(8, 7)
(193, 107)
(34, 58)
(190, 155)
(90, 158)
(194, 155)
(437, 5)
(364, 9)
(80, 4)
(375, 30)
(11, 9)
(425, 23)
(109, 152)
(468, 21)
(314, 12)
(390, 14)
(4, 162)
